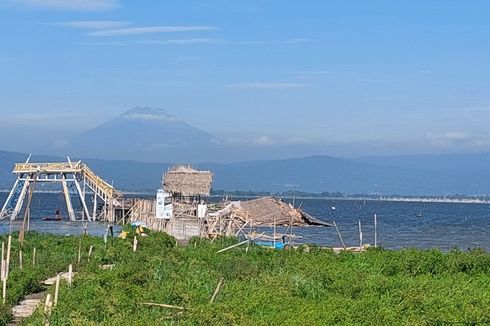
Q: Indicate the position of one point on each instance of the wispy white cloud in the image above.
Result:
(264, 141)
(299, 40)
(268, 85)
(150, 29)
(278, 42)
(193, 41)
(104, 43)
(452, 138)
(74, 5)
(313, 72)
(91, 24)
(188, 41)
(307, 75)
(150, 116)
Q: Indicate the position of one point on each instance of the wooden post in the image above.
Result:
(47, 305)
(56, 289)
(2, 271)
(33, 256)
(360, 235)
(79, 250)
(7, 262)
(70, 274)
(20, 259)
(69, 206)
(47, 309)
(375, 231)
(274, 240)
(4, 290)
(135, 244)
(216, 291)
(340, 236)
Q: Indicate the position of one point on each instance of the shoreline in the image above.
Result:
(467, 200)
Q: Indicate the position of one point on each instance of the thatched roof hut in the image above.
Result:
(187, 182)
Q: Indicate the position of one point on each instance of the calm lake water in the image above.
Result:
(442, 225)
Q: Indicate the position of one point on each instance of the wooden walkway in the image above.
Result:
(27, 307)
(32, 301)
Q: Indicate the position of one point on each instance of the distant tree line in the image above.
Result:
(340, 195)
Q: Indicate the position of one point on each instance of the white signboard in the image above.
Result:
(164, 208)
(201, 210)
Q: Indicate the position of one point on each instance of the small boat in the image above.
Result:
(270, 244)
(419, 214)
(53, 218)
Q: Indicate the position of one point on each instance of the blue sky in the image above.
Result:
(343, 78)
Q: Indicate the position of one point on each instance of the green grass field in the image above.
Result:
(261, 287)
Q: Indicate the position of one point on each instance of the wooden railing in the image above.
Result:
(94, 181)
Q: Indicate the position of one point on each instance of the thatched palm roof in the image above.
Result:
(186, 181)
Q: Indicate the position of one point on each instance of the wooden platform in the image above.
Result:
(27, 307)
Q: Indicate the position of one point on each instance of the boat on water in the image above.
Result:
(419, 214)
(270, 244)
(56, 217)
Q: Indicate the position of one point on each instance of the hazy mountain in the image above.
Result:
(143, 134)
(410, 175)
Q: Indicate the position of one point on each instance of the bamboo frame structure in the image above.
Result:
(65, 173)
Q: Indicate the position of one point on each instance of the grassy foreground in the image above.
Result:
(261, 287)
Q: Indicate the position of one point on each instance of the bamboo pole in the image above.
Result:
(216, 291)
(360, 235)
(47, 304)
(162, 305)
(340, 236)
(2, 271)
(135, 244)
(4, 290)
(70, 274)
(7, 263)
(33, 256)
(20, 259)
(56, 289)
(274, 232)
(79, 250)
(240, 243)
(233, 246)
(375, 231)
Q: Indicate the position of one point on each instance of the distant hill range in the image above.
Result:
(465, 174)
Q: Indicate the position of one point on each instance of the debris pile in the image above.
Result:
(266, 211)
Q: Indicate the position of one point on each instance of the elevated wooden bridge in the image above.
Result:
(68, 174)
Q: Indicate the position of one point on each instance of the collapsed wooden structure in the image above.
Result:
(235, 216)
